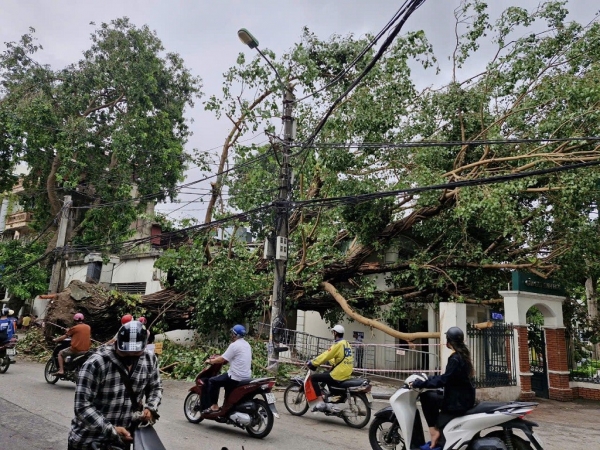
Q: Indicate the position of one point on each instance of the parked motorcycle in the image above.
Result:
(7, 354)
(71, 367)
(400, 423)
(243, 406)
(351, 400)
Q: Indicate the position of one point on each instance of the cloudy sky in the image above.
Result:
(204, 33)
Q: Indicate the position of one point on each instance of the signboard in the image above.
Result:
(158, 347)
(527, 282)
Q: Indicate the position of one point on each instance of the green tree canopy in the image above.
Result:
(104, 128)
(540, 82)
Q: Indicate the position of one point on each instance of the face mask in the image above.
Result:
(128, 360)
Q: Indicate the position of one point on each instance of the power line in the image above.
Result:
(361, 198)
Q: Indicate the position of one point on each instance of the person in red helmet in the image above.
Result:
(126, 318)
(81, 340)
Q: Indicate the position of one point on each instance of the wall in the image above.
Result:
(130, 269)
(588, 391)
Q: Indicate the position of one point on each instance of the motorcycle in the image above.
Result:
(400, 423)
(242, 408)
(351, 399)
(71, 366)
(7, 354)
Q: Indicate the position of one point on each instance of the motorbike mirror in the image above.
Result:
(280, 349)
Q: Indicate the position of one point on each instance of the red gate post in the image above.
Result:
(558, 368)
(524, 374)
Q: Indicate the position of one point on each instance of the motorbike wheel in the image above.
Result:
(262, 420)
(50, 367)
(4, 363)
(518, 443)
(295, 400)
(189, 408)
(358, 414)
(384, 434)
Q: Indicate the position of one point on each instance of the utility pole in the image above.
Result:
(281, 228)
(60, 243)
(281, 205)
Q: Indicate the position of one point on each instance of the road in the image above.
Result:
(36, 415)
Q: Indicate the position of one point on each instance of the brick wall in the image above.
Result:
(556, 351)
(523, 360)
(584, 390)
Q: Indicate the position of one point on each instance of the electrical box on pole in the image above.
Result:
(281, 251)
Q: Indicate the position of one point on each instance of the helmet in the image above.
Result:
(10, 312)
(338, 329)
(239, 330)
(132, 337)
(5, 311)
(455, 334)
(78, 317)
(142, 320)
(126, 318)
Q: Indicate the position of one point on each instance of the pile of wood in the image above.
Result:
(103, 311)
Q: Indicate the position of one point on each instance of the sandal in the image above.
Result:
(211, 411)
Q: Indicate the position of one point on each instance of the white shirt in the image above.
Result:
(239, 357)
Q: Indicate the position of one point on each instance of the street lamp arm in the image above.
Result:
(283, 85)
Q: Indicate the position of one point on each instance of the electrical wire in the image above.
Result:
(361, 198)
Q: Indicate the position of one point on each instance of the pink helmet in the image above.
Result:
(126, 318)
(142, 320)
(78, 317)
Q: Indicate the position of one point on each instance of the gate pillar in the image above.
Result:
(516, 305)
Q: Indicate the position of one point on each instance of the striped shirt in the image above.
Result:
(101, 398)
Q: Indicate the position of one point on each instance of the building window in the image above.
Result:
(94, 270)
(130, 288)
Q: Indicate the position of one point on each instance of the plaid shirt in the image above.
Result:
(101, 398)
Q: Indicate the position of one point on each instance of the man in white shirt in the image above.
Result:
(239, 357)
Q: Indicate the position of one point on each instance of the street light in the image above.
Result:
(281, 205)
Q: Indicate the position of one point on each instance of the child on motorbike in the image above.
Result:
(341, 359)
(459, 391)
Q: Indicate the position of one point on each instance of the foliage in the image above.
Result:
(540, 81)
(105, 128)
(185, 362)
(33, 345)
(31, 278)
(219, 291)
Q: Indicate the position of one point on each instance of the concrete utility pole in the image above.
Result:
(281, 226)
(281, 218)
(60, 243)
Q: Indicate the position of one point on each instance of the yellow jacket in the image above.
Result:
(341, 359)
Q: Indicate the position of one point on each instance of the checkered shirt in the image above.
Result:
(101, 398)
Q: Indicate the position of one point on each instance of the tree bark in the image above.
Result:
(373, 323)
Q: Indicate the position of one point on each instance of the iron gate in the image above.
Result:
(537, 360)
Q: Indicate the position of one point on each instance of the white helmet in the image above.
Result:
(338, 329)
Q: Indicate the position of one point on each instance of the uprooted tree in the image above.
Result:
(541, 81)
(104, 129)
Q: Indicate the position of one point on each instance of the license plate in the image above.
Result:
(11, 351)
(370, 397)
(270, 397)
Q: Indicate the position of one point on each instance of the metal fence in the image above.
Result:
(395, 361)
(493, 354)
(584, 364)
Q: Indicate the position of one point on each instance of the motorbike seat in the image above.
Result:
(486, 407)
(255, 380)
(354, 382)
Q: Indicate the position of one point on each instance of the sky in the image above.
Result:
(204, 33)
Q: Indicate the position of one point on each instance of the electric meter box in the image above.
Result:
(281, 248)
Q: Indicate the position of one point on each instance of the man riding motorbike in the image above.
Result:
(341, 359)
(114, 384)
(81, 341)
(7, 329)
(239, 357)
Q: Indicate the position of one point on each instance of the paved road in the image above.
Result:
(36, 415)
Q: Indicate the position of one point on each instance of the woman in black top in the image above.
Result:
(459, 391)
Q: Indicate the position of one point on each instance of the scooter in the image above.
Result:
(71, 366)
(351, 400)
(243, 407)
(487, 426)
(7, 354)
